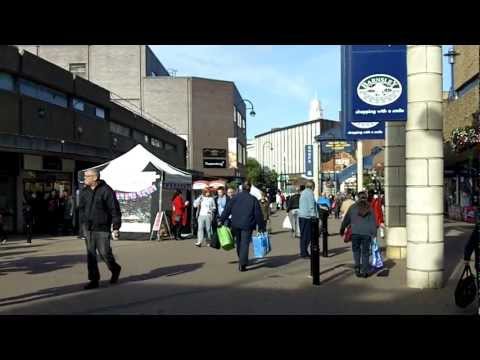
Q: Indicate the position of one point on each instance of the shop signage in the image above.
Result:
(215, 153)
(309, 160)
(214, 163)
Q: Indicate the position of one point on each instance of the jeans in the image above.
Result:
(361, 251)
(293, 214)
(242, 239)
(204, 228)
(99, 240)
(307, 232)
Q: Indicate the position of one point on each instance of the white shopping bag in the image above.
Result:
(286, 223)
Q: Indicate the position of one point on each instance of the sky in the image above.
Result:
(280, 80)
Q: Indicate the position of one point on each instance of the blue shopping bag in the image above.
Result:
(376, 257)
(261, 245)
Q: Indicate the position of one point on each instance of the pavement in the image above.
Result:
(175, 277)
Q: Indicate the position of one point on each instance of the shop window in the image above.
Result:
(119, 129)
(6, 82)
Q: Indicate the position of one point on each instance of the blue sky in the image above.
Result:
(280, 80)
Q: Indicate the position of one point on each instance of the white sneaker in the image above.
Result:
(198, 244)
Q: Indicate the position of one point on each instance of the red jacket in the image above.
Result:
(376, 205)
(179, 209)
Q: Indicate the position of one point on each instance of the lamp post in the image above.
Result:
(263, 157)
(252, 111)
(451, 54)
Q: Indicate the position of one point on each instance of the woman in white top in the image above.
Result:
(206, 203)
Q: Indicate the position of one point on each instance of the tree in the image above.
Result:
(262, 178)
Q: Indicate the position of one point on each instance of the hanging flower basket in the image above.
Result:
(465, 138)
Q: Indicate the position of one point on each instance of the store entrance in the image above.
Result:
(45, 193)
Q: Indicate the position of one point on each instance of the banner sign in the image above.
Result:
(374, 89)
(309, 160)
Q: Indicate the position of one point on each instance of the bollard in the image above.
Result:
(325, 244)
(315, 253)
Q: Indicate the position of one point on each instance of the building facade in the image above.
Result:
(461, 110)
(53, 124)
(208, 114)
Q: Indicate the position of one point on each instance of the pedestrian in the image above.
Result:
(293, 204)
(278, 200)
(68, 210)
(361, 219)
(52, 211)
(376, 206)
(206, 205)
(179, 213)
(28, 220)
(346, 205)
(338, 203)
(308, 218)
(3, 235)
(282, 196)
(472, 246)
(246, 217)
(265, 207)
(102, 217)
(324, 212)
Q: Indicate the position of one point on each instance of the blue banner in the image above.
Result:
(309, 160)
(374, 89)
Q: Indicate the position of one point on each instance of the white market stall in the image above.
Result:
(144, 185)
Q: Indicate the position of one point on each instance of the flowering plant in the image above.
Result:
(464, 138)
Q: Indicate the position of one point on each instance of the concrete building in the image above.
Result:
(251, 149)
(208, 114)
(53, 124)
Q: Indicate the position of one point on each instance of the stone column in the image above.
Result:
(395, 196)
(359, 166)
(424, 167)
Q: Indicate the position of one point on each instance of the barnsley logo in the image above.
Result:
(379, 89)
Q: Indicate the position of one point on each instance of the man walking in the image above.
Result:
(100, 212)
(293, 204)
(308, 218)
(246, 216)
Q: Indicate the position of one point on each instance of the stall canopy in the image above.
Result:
(130, 172)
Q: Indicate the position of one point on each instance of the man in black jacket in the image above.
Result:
(293, 204)
(246, 216)
(100, 214)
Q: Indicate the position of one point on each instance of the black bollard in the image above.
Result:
(324, 243)
(315, 253)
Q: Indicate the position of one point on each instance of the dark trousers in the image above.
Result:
(99, 240)
(3, 235)
(307, 232)
(324, 217)
(28, 232)
(361, 251)
(242, 239)
(177, 228)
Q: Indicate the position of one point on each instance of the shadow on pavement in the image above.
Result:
(70, 289)
(337, 251)
(273, 261)
(42, 264)
(24, 246)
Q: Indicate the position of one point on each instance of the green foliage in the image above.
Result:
(261, 178)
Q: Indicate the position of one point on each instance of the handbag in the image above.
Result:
(466, 290)
(347, 236)
(376, 260)
(215, 243)
(261, 245)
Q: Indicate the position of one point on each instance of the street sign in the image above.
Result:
(309, 160)
(374, 89)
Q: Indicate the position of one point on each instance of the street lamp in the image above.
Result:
(451, 54)
(263, 157)
(252, 112)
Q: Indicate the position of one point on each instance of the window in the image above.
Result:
(234, 114)
(170, 147)
(156, 143)
(79, 69)
(6, 82)
(78, 105)
(119, 129)
(239, 119)
(43, 93)
(99, 112)
(140, 137)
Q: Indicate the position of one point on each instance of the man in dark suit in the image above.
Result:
(246, 216)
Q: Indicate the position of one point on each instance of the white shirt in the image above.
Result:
(207, 205)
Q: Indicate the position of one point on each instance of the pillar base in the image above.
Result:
(424, 279)
(396, 252)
